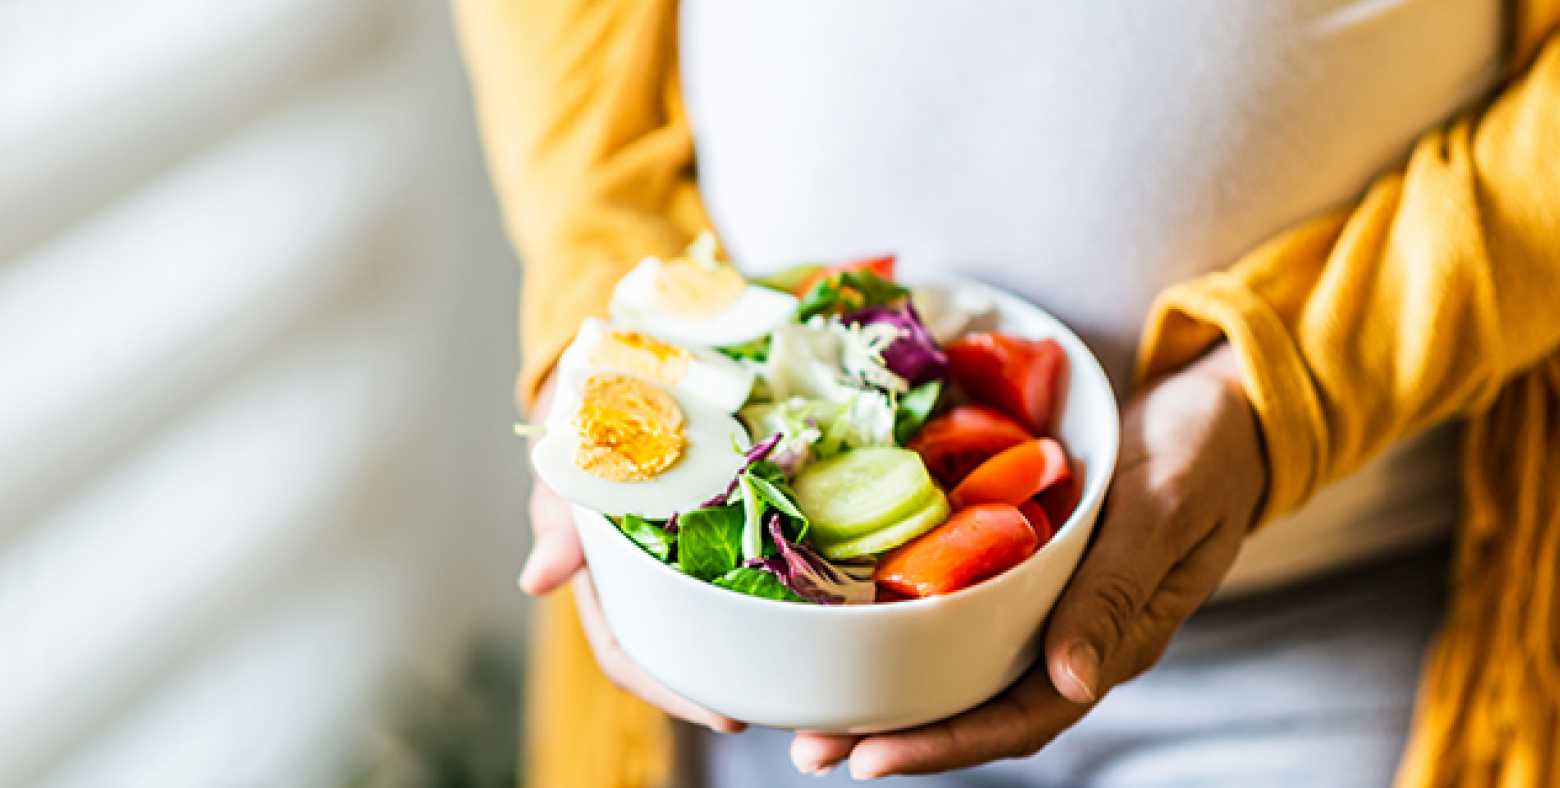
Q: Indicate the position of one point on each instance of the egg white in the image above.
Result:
(754, 313)
(710, 459)
(711, 377)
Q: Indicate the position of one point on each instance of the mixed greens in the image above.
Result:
(848, 486)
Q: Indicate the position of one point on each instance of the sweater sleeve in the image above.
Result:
(589, 148)
(1370, 324)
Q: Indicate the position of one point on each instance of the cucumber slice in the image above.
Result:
(919, 522)
(862, 490)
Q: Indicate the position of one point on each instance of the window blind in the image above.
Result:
(255, 352)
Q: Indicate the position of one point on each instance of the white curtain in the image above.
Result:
(256, 345)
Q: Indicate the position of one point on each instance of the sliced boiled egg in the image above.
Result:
(692, 373)
(621, 444)
(698, 303)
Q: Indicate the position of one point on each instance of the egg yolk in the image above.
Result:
(691, 291)
(629, 429)
(645, 356)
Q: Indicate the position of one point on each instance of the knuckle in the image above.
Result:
(547, 520)
(1032, 741)
(1147, 656)
(1173, 481)
(1177, 524)
(539, 511)
(1027, 734)
(1036, 736)
(1119, 595)
(1173, 499)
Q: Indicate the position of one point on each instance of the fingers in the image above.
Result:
(1191, 477)
(1112, 585)
(629, 676)
(1014, 724)
(555, 553)
(1184, 494)
(1033, 712)
(1139, 583)
(819, 753)
(1181, 593)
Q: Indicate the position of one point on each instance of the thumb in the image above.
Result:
(1106, 595)
(555, 554)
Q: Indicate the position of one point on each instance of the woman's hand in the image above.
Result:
(1190, 478)
(555, 558)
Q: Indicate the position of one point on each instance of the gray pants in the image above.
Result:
(1311, 685)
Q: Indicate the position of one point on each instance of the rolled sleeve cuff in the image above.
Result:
(1190, 317)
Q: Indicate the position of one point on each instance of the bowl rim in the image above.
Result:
(1095, 486)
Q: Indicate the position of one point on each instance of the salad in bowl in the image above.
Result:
(824, 436)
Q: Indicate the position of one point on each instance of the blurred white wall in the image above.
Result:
(256, 352)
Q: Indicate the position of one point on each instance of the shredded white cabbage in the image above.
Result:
(861, 351)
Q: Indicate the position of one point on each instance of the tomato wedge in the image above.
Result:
(1015, 475)
(1021, 377)
(883, 267)
(1038, 520)
(954, 443)
(1060, 499)
(973, 545)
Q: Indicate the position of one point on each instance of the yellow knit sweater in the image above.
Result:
(1436, 297)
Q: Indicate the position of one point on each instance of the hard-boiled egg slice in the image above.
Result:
(620, 444)
(692, 373)
(698, 305)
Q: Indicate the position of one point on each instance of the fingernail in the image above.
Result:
(522, 580)
(1082, 670)
(806, 761)
(861, 773)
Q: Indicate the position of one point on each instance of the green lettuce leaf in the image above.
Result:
(848, 291)
(790, 278)
(914, 408)
(757, 582)
(653, 537)
(754, 350)
(775, 493)
(709, 541)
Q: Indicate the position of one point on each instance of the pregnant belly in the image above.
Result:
(1084, 154)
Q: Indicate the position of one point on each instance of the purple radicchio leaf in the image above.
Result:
(804, 571)
(671, 524)
(774, 565)
(915, 355)
(754, 455)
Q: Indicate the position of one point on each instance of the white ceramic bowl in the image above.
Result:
(861, 668)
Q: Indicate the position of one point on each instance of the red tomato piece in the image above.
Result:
(1015, 475)
(1021, 377)
(958, 441)
(1060, 499)
(973, 545)
(886, 594)
(883, 267)
(1038, 520)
